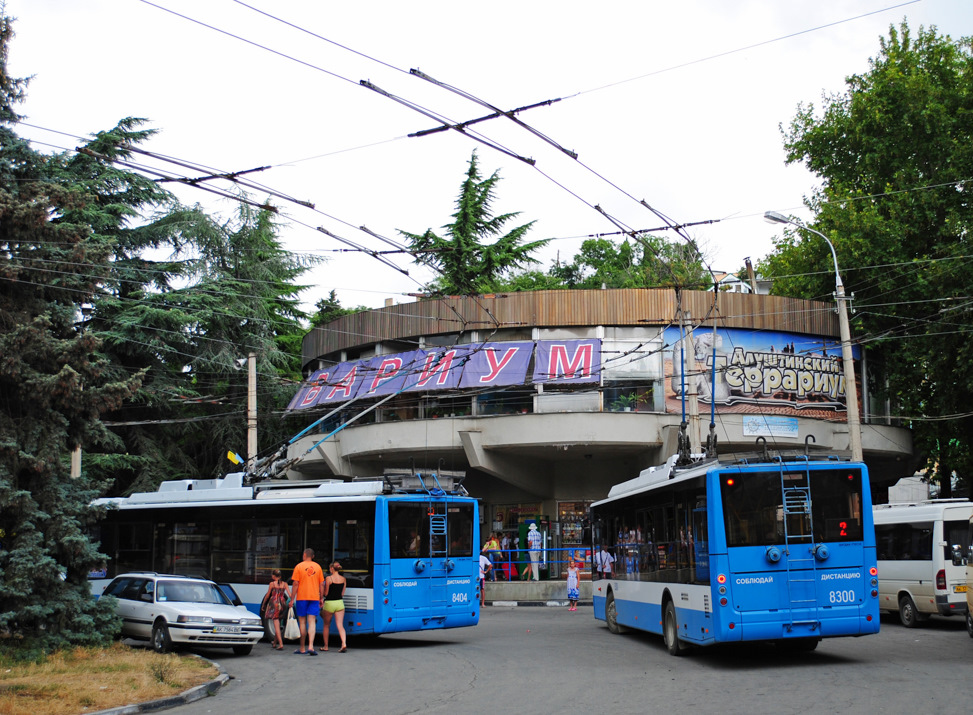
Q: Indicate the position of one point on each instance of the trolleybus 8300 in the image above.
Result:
(407, 543)
(779, 549)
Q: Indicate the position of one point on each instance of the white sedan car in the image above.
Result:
(172, 611)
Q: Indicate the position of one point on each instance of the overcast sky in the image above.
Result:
(676, 103)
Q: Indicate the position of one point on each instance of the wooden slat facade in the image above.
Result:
(566, 308)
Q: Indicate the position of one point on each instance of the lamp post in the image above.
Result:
(851, 389)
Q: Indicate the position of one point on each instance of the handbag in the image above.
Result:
(292, 631)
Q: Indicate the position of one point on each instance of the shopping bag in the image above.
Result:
(292, 631)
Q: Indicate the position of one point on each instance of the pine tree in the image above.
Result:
(53, 388)
(466, 263)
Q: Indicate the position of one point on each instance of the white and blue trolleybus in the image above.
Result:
(768, 549)
(406, 543)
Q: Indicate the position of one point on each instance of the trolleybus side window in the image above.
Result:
(352, 544)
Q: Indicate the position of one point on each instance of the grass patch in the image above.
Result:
(91, 679)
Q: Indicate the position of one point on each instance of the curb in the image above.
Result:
(549, 604)
(191, 695)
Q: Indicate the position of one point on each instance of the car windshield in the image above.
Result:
(190, 592)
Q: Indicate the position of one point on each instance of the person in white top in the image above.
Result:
(485, 566)
(603, 562)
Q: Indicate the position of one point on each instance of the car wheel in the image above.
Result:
(969, 623)
(670, 631)
(907, 611)
(161, 642)
(243, 649)
(611, 614)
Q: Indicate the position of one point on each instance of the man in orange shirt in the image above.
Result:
(308, 594)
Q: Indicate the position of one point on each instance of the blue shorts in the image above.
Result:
(307, 608)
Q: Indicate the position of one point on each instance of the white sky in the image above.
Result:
(697, 141)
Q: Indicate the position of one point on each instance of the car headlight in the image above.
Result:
(194, 619)
(250, 622)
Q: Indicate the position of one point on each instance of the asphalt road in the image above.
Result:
(550, 660)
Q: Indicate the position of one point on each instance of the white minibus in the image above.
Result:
(922, 548)
(969, 580)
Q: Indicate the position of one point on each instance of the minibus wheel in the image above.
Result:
(907, 611)
(969, 623)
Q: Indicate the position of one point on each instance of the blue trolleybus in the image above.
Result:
(778, 549)
(407, 544)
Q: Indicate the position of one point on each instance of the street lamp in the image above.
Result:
(851, 390)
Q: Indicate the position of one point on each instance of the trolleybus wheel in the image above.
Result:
(907, 611)
(611, 614)
(798, 645)
(670, 631)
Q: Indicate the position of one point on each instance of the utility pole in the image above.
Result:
(252, 412)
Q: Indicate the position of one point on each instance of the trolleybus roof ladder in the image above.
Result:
(799, 547)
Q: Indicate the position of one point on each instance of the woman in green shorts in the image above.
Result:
(334, 591)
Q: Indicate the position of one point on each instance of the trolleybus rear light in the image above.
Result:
(732, 625)
(868, 617)
(721, 578)
(873, 571)
(874, 593)
(723, 601)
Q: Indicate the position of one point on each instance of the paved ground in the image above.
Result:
(549, 660)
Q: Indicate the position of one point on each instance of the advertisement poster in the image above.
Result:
(757, 372)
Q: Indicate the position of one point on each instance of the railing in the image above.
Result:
(516, 564)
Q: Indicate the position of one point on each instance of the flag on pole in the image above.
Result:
(234, 457)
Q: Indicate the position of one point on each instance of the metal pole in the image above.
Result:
(847, 360)
(252, 412)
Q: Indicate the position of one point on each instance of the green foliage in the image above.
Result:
(53, 388)
(466, 263)
(649, 261)
(895, 154)
(330, 308)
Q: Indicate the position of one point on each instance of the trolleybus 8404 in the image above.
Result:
(770, 549)
(407, 543)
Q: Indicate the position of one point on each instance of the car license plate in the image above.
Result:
(227, 629)
(959, 589)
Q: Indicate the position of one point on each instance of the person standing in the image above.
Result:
(492, 548)
(573, 584)
(485, 567)
(276, 599)
(334, 604)
(534, 550)
(306, 598)
(603, 562)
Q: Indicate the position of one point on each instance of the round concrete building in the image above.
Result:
(546, 399)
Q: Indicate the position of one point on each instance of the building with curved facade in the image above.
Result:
(546, 399)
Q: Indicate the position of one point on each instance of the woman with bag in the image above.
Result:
(278, 594)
